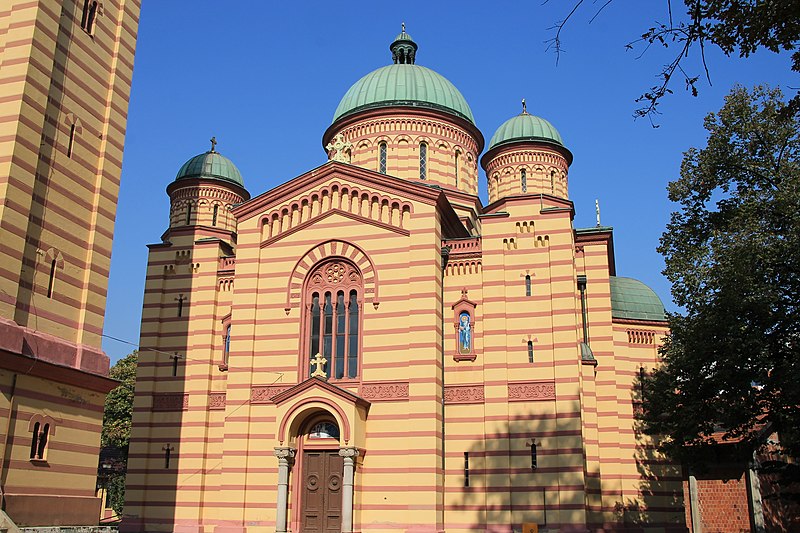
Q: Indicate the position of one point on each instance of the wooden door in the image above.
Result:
(322, 492)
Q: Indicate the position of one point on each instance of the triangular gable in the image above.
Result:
(409, 190)
(319, 384)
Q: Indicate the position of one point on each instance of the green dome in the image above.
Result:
(211, 165)
(632, 299)
(404, 85)
(525, 127)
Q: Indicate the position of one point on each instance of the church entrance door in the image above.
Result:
(322, 491)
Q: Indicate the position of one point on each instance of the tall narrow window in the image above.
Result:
(534, 458)
(553, 181)
(227, 349)
(188, 214)
(88, 16)
(530, 351)
(466, 469)
(35, 440)
(523, 180)
(333, 319)
(71, 141)
(382, 158)
(455, 161)
(51, 282)
(41, 433)
(214, 215)
(528, 285)
(423, 161)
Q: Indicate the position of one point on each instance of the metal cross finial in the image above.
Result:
(319, 361)
(524, 107)
(403, 26)
(597, 211)
(213, 144)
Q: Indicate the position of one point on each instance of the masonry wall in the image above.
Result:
(62, 128)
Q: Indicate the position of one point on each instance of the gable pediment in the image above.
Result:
(333, 171)
(315, 386)
(336, 198)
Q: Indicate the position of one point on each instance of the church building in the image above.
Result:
(367, 347)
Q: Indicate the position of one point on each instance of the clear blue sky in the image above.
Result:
(266, 77)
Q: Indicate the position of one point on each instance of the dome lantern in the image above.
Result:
(404, 49)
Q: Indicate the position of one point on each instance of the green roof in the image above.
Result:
(630, 298)
(211, 165)
(403, 85)
(525, 127)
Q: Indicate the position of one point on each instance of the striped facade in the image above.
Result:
(521, 423)
(65, 79)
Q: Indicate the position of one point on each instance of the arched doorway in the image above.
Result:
(319, 480)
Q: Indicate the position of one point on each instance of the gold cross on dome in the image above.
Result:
(319, 361)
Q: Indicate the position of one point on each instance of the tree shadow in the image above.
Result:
(571, 482)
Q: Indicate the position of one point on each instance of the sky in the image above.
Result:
(265, 77)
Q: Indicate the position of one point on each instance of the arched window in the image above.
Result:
(188, 213)
(71, 141)
(41, 432)
(227, 349)
(455, 161)
(423, 161)
(51, 282)
(528, 285)
(88, 16)
(214, 215)
(523, 180)
(382, 158)
(530, 351)
(324, 430)
(334, 292)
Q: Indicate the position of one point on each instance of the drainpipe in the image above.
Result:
(445, 259)
(586, 352)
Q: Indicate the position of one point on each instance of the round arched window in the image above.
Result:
(324, 430)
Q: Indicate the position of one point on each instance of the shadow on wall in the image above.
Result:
(560, 493)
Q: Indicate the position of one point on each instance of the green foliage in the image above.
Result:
(119, 403)
(737, 27)
(117, 423)
(732, 251)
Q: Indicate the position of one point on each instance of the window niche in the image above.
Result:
(334, 307)
(41, 428)
(226, 343)
(464, 326)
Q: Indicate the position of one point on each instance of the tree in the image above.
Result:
(731, 363)
(735, 26)
(117, 416)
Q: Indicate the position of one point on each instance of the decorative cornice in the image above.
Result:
(385, 391)
(264, 394)
(454, 394)
(531, 390)
(406, 111)
(216, 401)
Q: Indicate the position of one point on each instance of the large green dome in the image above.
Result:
(632, 299)
(525, 127)
(403, 84)
(211, 165)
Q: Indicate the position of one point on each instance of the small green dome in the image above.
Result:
(632, 299)
(525, 127)
(211, 165)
